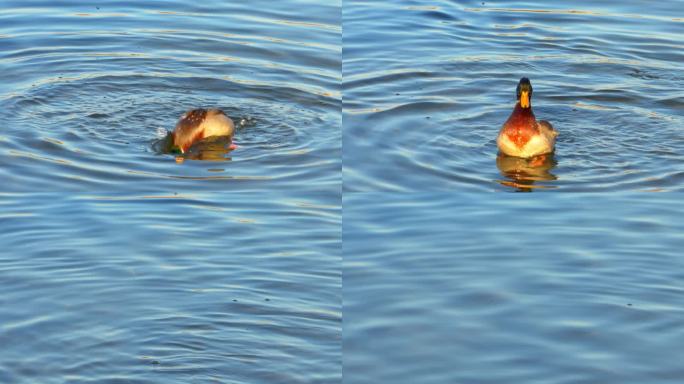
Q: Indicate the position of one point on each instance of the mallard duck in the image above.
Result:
(522, 135)
(199, 124)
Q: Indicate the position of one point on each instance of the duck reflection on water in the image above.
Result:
(524, 173)
(211, 149)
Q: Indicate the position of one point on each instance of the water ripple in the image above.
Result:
(441, 287)
(426, 90)
(178, 288)
(103, 81)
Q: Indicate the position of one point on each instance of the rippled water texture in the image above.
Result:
(87, 88)
(184, 288)
(459, 289)
(427, 87)
(139, 269)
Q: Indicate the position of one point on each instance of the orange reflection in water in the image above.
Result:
(210, 149)
(524, 173)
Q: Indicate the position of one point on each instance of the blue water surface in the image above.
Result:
(119, 264)
(463, 288)
(427, 87)
(89, 86)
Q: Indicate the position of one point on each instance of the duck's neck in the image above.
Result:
(523, 112)
(521, 118)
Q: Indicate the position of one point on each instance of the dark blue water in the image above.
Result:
(463, 289)
(120, 265)
(427, 87)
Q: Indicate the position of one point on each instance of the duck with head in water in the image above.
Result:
(200, 124)
(522, 135)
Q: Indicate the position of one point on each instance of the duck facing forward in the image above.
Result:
(522, 135)
(199, 124)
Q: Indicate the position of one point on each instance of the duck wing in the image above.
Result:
(188, 128)
(546, 128)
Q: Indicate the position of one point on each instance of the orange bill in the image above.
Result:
(525, 99)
